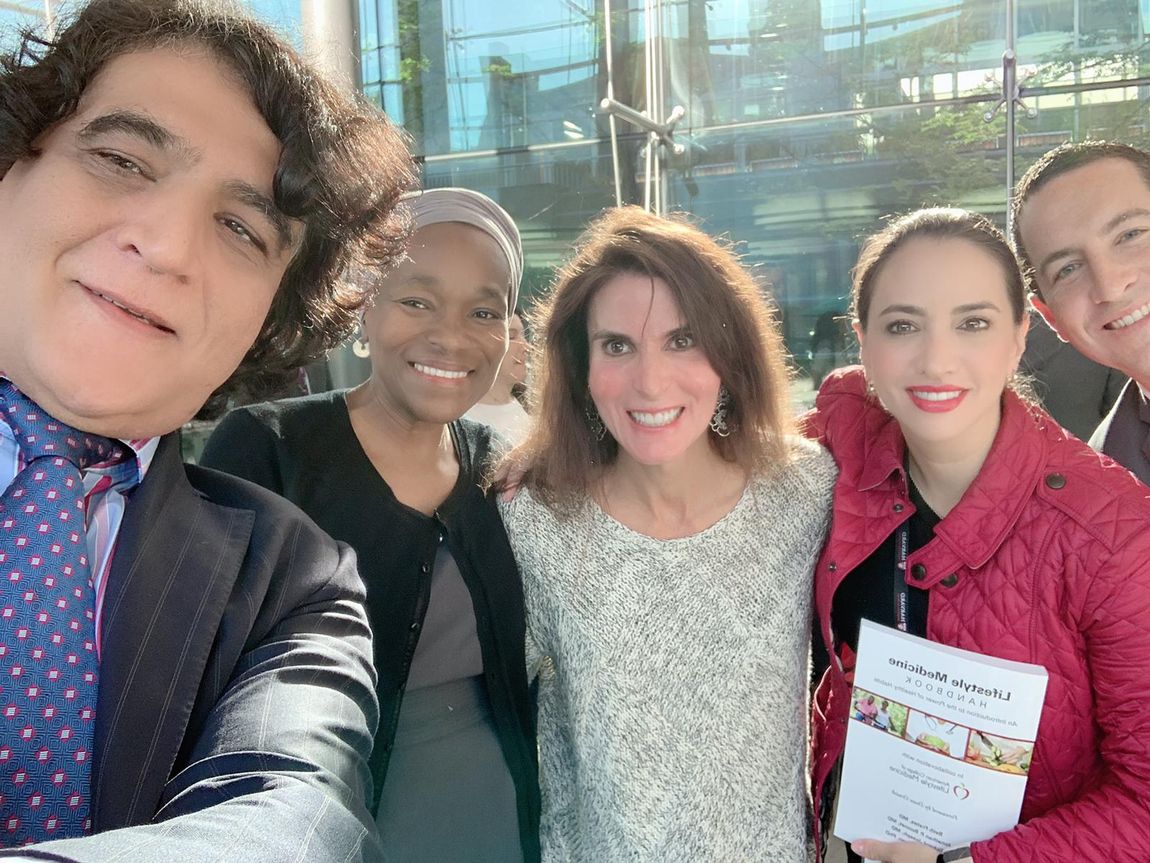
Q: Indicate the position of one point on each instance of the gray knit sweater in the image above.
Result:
(673, 675)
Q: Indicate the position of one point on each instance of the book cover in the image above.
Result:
(939, 741)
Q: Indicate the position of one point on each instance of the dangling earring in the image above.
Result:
(719, 417)
(360, 347)
(598, 430)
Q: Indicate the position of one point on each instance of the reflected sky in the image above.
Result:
(16, 14)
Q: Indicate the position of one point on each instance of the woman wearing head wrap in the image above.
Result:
(390, 468)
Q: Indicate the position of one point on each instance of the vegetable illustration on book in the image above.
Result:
(999, 753)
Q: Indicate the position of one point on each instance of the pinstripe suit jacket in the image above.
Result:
(236, 705)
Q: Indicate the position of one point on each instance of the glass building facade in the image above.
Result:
(806, 121)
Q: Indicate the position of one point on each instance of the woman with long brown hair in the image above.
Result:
(665, 524)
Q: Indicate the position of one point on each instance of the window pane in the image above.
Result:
(1120, 114)
(486, 75)
(742, 60)
(799, 197)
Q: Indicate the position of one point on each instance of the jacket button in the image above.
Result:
(951, 580)
(425, 568)
(898, 507)
(415, 626)
(832, 566)
(1055, 480)
(918, 572)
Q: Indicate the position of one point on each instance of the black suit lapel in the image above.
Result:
(175, 563)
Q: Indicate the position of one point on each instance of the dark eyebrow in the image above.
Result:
(248, 194)
(902, 310)
(1124, 216)
(495, 294)
(131, 123)
(607, 335)
(1113, 223)
(146, 129)
(964, 309)
(1054, 256)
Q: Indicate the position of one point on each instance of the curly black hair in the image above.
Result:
(343, 167)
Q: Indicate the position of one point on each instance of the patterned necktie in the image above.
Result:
(48, 663)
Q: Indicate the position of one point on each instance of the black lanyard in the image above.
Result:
(901, 591)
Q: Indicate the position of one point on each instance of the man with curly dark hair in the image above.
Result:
(185, 664)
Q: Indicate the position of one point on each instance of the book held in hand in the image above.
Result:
(939, 741)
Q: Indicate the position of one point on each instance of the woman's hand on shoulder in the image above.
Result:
(508, 478)
(894, 852)
(807, 424)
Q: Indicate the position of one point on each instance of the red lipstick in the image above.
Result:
(936, 400)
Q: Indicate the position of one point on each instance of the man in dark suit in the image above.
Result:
(1082, 229)
(188, 676)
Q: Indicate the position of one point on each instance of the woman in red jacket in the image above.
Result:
(1023, 543)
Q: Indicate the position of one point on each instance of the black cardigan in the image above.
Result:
(306, 450)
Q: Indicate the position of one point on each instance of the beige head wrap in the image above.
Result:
(454, 204)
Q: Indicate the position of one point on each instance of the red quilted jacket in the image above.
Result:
(1046, 559)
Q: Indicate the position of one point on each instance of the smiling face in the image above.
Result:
(438, 328)
(941, 342)
(653, 386)
(141, 248)
(1087, 233)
